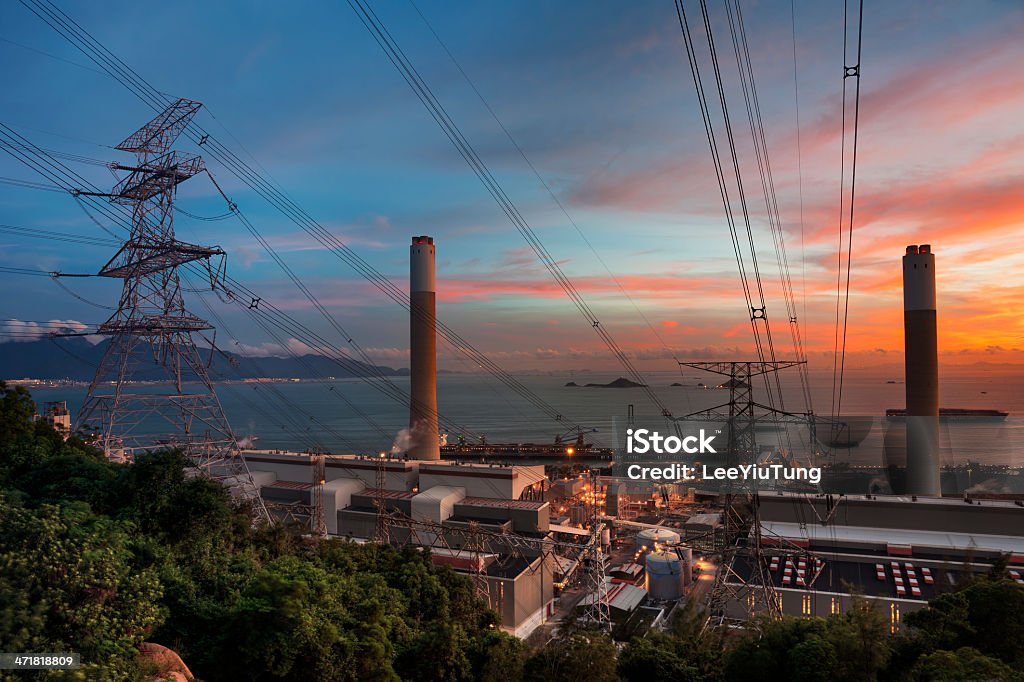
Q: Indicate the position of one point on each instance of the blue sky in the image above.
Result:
(599, 96)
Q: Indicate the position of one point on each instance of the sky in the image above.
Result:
(600, 98)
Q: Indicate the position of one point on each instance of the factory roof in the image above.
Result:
(557, 528)
(895, 579)
(563, 564)
(632, 570)
(387, 494)
(290, 485)
(710, 519)
(895, 536)
(620, 596)
(364, 463)
(437, 493)
(509, 566)
(896, 499)
(503, 504)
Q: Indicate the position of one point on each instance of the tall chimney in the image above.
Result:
(922, 371)
(426, 443)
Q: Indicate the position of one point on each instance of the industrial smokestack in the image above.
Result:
(426, 443)
(922, 371)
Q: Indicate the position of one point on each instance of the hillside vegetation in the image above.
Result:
(98, 557)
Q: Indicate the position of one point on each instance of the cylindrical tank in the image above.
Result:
(426, 443)
(648, 539)
(664, 576)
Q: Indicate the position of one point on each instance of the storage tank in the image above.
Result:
(649, 537)
(664, 576)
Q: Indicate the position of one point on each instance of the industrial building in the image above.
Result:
(55, 413)
(414, 497)
(898, 551)
(519, 582)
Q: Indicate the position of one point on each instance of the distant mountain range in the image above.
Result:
(75, 358)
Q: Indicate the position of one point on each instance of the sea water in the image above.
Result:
(300, 415)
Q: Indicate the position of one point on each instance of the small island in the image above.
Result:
(621, 382)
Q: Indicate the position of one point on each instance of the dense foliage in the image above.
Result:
(97, 557)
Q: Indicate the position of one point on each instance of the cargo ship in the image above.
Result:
(563, 450)
(953, 414)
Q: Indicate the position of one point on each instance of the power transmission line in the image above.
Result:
(843, 294)
(441, 116)
(95, 51)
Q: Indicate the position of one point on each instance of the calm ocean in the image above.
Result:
(298, 415)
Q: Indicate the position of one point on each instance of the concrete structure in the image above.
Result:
(437, 503)
(482, 480)
(922, 371)
(521, 590)
(704, 531)
(897, 551)
(56, 414)
(425, 439)
(519, 582)
(566, 488)
(893, 516)
(525, 516)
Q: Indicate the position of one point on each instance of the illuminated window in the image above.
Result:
(807, 604)
(895, 617)
(836, 606)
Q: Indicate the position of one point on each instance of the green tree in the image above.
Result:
(852, 646)
(686, 650)
(96, 556)
(498, 657)
(578, 655)
(16, 411)
(963, 664)
(987, 615)
(654, 658)
(67, 584)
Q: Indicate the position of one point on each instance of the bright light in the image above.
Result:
(570, 451)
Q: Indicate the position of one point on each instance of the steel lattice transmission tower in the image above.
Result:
(741, 415)
(599, 611)
(151, 334)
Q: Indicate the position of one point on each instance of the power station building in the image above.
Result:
(520, 582)
(456, 501)
(897, 551)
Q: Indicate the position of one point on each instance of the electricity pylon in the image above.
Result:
(151, 333)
